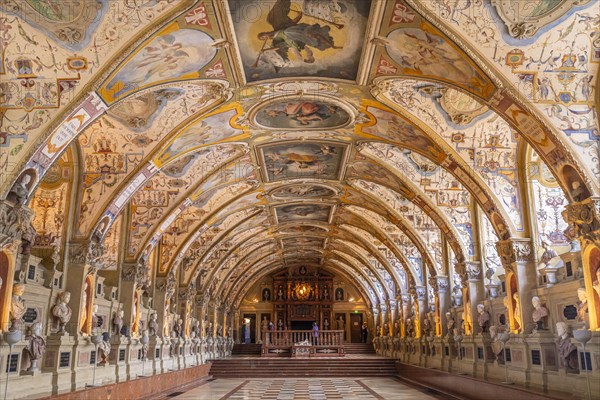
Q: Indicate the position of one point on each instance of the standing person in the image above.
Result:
(364, 332)
(315, 329)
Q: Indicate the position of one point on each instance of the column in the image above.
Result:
(444, 300)
(423, 308)
(392, 306)
(406, 306)
(517, 256)
(86, 258)
(385, 326)
(584, 217)
(476, 292)
(376, 322)
(127, 296)
(236, 326)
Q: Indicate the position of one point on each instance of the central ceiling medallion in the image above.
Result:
(302, 113)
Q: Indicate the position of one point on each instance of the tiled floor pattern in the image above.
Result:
(305, 389)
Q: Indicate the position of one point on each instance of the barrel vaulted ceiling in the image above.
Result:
(220, 141)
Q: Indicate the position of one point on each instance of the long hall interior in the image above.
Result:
(299, 199)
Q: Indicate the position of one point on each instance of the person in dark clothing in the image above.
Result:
(364, 332)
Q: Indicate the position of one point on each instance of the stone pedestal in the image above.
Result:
(542, 356)
(518, 363)
(483, 356)
(58, 360)
(34, 384)
(134, 359)
(118, 356)
(166, 361)
(153, 362)
(82, 365)
(468, 360)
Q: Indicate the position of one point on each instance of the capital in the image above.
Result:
(405, 298)
(443, 282)
(15, 225)
(514, 250)
(584, 216)
(474, 270)
(90, 253)
(421, 293)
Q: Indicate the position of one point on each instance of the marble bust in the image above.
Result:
(118, 322)
(483, 318)
(450, 322)
(17, 306)
(567, 351)
(548, 253)
(427, 328)
(35, 348)
(62, 312)
(104, 349)
(539, 313)
(153, 325)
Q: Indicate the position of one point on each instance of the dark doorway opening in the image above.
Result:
(302, 325)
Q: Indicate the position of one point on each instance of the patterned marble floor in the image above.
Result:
(308, 389)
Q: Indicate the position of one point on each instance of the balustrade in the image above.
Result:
(324, 342)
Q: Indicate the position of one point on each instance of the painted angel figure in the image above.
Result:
(289, 34)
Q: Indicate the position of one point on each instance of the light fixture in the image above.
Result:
(302, 291)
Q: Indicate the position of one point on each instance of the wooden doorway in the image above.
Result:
(356, 321)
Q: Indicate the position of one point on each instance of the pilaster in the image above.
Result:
(517, 256)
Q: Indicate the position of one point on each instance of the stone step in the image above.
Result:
(287, 367)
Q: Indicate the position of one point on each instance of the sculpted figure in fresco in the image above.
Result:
(517, 311)
(17, 306)
(582, 306)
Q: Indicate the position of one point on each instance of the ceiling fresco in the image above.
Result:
(385, 141)
(305, 38)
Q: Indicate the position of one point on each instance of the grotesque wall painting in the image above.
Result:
(70, 22)
(304, 38)
(302, 114)
(303, 160)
